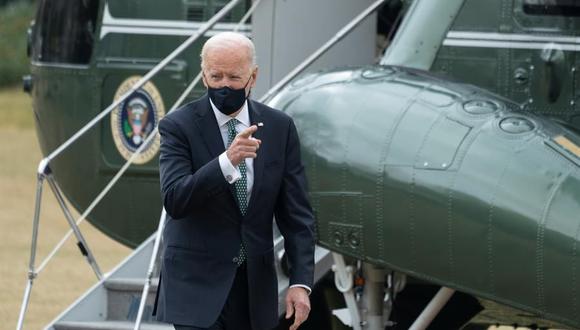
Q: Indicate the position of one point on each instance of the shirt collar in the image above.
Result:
(243, 116)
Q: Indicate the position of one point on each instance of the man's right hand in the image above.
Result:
(244, 146)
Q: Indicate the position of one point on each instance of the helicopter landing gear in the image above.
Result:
(370, 294)
(368, 291)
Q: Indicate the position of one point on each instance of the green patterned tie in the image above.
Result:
(241, 186)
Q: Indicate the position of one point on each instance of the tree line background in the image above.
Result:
(15, 18)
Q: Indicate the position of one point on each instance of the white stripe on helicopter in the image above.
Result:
(160, 27)
(509, 40)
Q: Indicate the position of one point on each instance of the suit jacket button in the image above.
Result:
(235, 260)
(229, 178)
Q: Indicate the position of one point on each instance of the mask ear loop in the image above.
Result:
(246, 85)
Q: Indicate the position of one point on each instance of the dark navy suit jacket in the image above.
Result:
(205, 227)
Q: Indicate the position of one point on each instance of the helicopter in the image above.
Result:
(444, 176)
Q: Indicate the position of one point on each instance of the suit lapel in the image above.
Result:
(209, 130)
(255, 118)
(211, 135)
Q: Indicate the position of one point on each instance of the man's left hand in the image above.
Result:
(297, 303)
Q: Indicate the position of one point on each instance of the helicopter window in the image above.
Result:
(552, 7)
(195, 14)
(195, 10)
(64, 31)
(218, 5)
(202, 10)
(389, 19)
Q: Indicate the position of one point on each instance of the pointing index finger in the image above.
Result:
(248, 131)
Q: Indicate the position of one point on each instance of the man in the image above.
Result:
(228, 165)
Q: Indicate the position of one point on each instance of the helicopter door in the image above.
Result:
(544, 65)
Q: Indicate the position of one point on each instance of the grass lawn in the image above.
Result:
(68, 275)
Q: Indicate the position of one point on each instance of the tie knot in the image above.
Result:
(232, 124)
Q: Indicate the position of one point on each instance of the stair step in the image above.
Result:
(130, 284)
(124, 296)
(109, 325)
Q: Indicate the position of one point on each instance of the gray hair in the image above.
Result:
(227, 40)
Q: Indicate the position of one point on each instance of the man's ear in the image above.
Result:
(254, 76)
(203, 78)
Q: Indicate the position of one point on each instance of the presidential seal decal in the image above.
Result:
(135, 119)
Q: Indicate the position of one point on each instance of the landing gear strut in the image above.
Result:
(371, 308)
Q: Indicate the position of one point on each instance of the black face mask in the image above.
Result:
(228, 100)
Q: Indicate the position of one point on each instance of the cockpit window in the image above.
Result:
(389, 18)
(202, 10)
(64, 31)
(552, 7)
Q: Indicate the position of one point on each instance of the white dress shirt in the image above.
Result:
(232, 173)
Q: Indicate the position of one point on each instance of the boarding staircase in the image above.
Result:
(113, 302)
